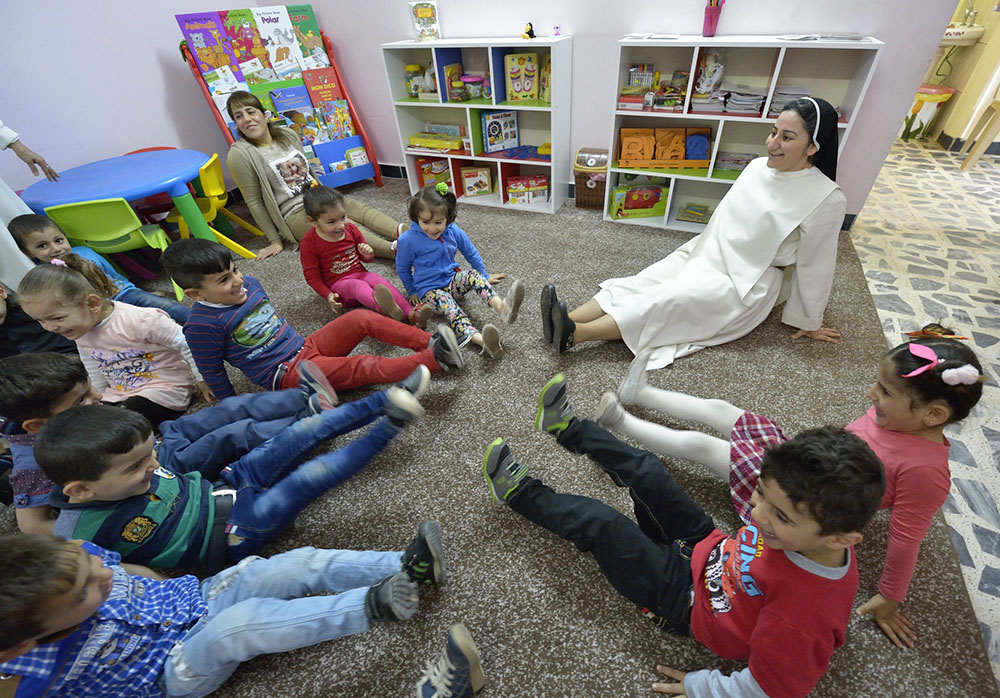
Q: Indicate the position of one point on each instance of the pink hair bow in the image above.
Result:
(922, 351)
(58, 262)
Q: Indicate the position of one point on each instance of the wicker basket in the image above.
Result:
(591, 172)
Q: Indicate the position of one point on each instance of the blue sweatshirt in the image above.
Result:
(424, 264)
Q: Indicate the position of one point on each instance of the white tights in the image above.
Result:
(711, 451)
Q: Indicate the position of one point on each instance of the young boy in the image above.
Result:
(42, 240)
(233, 320)
(332, 253)
(74, 621)
(112, 490)
(35, 387)
(777, 593)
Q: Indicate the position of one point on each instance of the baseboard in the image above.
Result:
(955, 144)
(393, 171)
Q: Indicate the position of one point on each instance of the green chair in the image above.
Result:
(108, 226)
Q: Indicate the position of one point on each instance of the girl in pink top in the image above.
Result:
(136, 357)
(922, 386)
(332, 252)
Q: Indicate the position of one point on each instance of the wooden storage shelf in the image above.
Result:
(539, 122)
(837, 71)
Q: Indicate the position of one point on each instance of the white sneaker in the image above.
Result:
(512, 302)
(635, 379)
(609, 411)
(491, 342)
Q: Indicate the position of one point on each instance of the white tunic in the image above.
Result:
(724, 282)
(13, 263)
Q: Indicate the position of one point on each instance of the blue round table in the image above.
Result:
(128, 177)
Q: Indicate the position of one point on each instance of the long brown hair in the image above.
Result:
(68, 283)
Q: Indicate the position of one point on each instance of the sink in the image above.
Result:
(962, 35)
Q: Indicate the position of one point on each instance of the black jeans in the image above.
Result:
(647, 560)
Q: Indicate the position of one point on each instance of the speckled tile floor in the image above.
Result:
(927, 239)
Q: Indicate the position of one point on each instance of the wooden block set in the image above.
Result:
(662, 148)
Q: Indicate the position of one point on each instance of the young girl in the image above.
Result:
(922, 386)
(425, 262)
(332, 253)
(134, 356)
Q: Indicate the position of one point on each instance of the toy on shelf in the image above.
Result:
(662, 148)
(529, 31)
(694, 213)
(432, 171)
(733, 161)
(545, 80)
(522, 76)
(476, 181)
(437, 141)
(499, 130)
(527, 189)
(637, 201)
(356, 157)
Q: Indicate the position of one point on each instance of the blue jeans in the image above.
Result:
(214, 437)
(272, 487)
(178, 312)
(257, 608)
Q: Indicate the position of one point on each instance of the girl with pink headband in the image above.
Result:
(922, 386)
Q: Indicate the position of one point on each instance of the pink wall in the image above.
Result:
(106, 77)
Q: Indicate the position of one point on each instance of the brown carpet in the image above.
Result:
(546, 622)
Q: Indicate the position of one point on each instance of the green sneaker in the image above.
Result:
(554, 411)
(503, 473)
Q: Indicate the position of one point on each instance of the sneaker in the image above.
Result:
(416, 383)
(491, 342)
(548, 300)
(562, 327)
(512, 302)
(503, 473)
(387, 303)
(635, 379)
(423, 560)
(420, 315)
(446, 351)
(401, 407)
(312, 381)
(609, 411)
(458, 672)
(316, 404)
(554, 411)
(394, 598)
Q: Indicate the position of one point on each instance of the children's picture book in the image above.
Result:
(222, 81)
(322, 85)
(244, 37)
(356, 156)
(293, 104)
(522, 76)
(476, 181)
(278, 37)
(425, 20)
(208, 41)
(499, 130)
(456, 130)
(256, 73)
(545, 80)
(338, 119)
(307, 34)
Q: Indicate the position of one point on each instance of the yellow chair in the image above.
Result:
(108, 226)
(213, 203)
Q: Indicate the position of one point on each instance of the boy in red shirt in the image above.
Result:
(778, 593)
(332, 253)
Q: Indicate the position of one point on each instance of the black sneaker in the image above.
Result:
(548, 300)
(394, 598)
(457, 672)
(503, 473)
(446, 351)
(423, 560)
(416, 383)
(562, 327)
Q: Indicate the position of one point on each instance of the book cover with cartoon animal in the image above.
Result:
(244, 37)
(338, 119)
(278, 37)
(208, 42)
(307, 33)
(322, 85)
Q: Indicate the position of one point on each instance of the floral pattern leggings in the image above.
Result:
(443, 301)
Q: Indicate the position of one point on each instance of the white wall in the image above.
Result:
(84, 81)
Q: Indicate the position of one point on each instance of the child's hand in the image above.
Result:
(414, 299)
(204, 393)
(271, 250)
(893, 623)
(495, 278)
(676, 688)
(333, 300)
(366, 252)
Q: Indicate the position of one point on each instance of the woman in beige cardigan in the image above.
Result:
(270, 169)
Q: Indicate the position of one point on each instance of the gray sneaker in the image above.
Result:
(635, 379)
(394, 598)
(386, 303)
(401, 407)
(446, 351)
(512, 302)
(312, 381)
(416, 383)
(503, 473)
(554, 411)
(491, 342)
(457, 672)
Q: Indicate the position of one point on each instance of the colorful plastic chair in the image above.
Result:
(108, 226)
(212, 205)
(148, 206)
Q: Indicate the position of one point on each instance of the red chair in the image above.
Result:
(146, 207)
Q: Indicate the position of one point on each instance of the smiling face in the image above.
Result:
(70, 321)
(223, 287)
(433, 223)
(895, 409)
(252, 123)
(91, 589)
(46, 244)
(330, 224)
(783, 525)
(789, 146)
(128, 474)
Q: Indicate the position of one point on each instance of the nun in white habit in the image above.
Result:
(772, 239)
